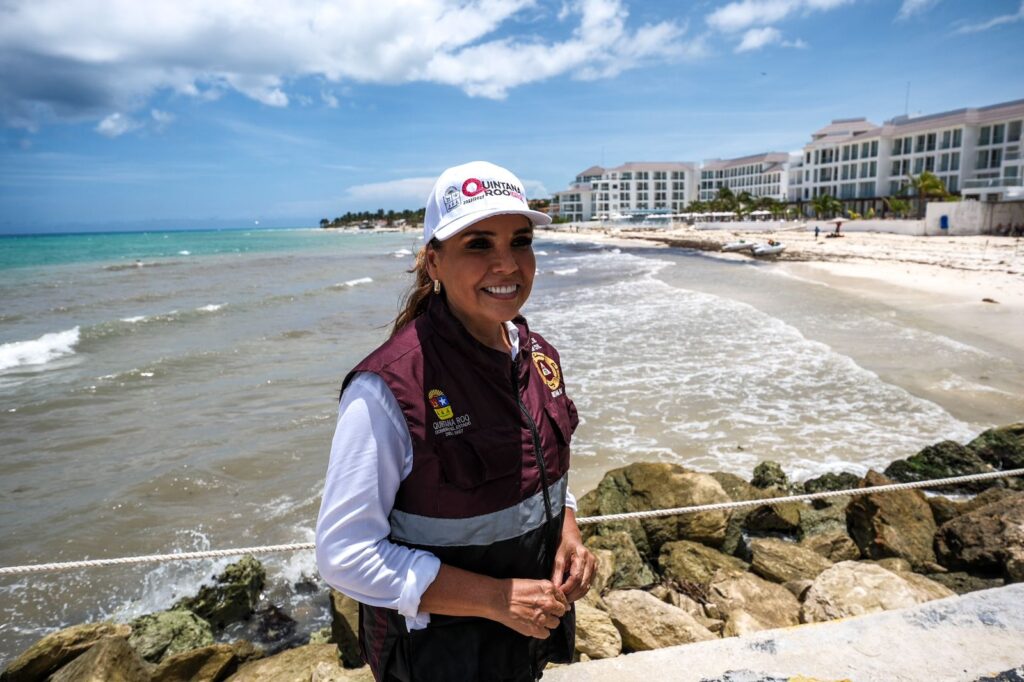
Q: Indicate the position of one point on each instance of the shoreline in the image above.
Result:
(974, 282)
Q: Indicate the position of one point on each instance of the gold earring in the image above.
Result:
(437, 286)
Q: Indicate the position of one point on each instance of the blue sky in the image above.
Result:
(122, 114)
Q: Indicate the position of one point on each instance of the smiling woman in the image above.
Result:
(446, 511)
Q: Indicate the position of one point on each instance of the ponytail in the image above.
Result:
(414, 303)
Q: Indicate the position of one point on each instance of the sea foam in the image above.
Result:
(39, 351)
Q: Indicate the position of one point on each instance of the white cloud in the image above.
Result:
(797, 44)
(737, 16)
(329, 99)
(993, 22)
(116, 124)
(756, 38)
(911, 7)
(69, 58)
(161, 119)
(411, 190)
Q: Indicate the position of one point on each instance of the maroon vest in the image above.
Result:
(490, 441)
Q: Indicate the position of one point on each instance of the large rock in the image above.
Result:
(739, 623)
(835, 546)
(945, 509)
(941, 460)
(842, 480)
(824, 518)
(897, 523)
(984, 540)
(302, 664)
(780, 517)
(962, 582)
(738, 490)
(57, 649)
(630, 569)
(345, 628)
(769, 474)
(206, 664)
(693, 562)
(645, 486)
(1001, 447)
(647, 623)
(596, 634)
(853, 588)
(772, 605)
(111, 659)
(781, 561)
(233, 595)
(165, 633)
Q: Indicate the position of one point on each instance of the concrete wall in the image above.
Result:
(973, 217)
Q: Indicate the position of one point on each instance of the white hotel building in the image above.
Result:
(762, 175)
(975, 152)
(636, 188)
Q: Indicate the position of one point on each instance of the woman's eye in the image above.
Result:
(478, 244)
(522, 242)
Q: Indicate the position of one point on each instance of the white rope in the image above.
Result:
(301, 546)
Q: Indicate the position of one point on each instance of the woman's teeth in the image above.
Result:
(505, 290)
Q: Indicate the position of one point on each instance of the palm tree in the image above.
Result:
(826, 204)
(925, 185)
(900, 207)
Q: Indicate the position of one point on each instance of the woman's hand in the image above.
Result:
(574, 564)
(532, 607)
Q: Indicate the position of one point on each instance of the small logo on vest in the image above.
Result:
(548, 370)
(439, 401)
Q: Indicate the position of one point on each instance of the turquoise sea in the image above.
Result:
(172, 391)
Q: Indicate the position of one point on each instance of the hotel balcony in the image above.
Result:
(993, 183)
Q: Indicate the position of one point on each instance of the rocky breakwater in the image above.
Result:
(693, 577)
(660, 581)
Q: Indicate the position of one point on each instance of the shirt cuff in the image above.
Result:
(422, 573)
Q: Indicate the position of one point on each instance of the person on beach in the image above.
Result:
(446, 511)
(816, 231)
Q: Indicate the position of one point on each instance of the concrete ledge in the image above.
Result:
(956, 639)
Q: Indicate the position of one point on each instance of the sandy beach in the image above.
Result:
(976, 282)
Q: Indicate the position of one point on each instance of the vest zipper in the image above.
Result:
(536, 441)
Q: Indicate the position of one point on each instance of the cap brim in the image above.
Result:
(451, 229)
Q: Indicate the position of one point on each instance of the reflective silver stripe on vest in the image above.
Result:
(485, 529)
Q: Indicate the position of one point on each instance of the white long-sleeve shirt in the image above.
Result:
(371, 455)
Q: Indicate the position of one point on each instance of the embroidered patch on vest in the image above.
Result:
(439, 401)
(548, 370)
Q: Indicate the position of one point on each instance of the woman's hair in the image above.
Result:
(414, 303)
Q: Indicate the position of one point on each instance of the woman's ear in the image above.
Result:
(430, 258)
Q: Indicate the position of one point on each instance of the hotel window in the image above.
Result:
(997, 133)
(894, 187)
(930, 142)
(983, 135)
(846, 152)
(982, 161)
(846, 172)
(808, 157)
(853, 153)
(874, 168)
(947, 135)
(906, 167)
(1010, 171)
(867, 189)
(929, 164)
(954, 162)
(864, 169)
(895, 168)
(918, 165)
(874, 148)
(920, 143)
(953, 185)
(642, 175)
(957, 135)
(944, 163)
(865, 149)
(997, 158)
(1014, 132)
(627, 176)
(907, 141)
(897, 146)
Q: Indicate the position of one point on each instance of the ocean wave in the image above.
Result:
(105, 329)
(352, 283)
(139, 264)
(565, 271)
(39, 351)
(401, 253)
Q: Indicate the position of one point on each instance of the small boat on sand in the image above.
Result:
(769, 249)
(741, 245)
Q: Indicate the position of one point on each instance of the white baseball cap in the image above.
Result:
(469, 193)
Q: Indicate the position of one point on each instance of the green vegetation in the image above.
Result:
(826, 205)
(361, 218)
